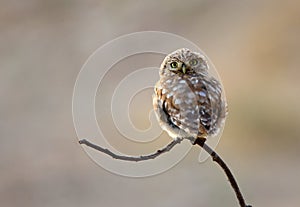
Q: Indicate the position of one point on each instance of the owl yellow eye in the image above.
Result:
(193, 62)
(174, 64)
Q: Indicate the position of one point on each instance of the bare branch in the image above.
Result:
(218, 159)
(167, 148)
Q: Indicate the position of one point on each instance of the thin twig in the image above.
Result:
(198, 141)
(131, 158)
(218, 159)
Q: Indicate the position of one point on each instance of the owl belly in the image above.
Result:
(178, 108)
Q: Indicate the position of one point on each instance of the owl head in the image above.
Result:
(183, 61)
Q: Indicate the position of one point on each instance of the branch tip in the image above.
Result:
(82, 141)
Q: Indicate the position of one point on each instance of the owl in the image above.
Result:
(188, 101)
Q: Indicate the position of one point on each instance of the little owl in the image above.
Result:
(188, 101)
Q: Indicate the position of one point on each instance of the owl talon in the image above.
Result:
(200, 141)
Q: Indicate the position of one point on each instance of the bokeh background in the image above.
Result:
(255, 48)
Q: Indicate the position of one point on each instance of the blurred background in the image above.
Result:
(255, 48)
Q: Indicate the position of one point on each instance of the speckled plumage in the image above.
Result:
(187, 100)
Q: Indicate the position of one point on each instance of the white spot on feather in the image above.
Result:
(177, 101)
(191, 95)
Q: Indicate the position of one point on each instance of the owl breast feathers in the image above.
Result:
(187, 100)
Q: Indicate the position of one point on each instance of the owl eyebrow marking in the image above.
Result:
(174, 59)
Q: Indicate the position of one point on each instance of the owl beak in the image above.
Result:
(183, 68)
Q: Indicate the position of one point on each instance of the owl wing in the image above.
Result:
(212, 106)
